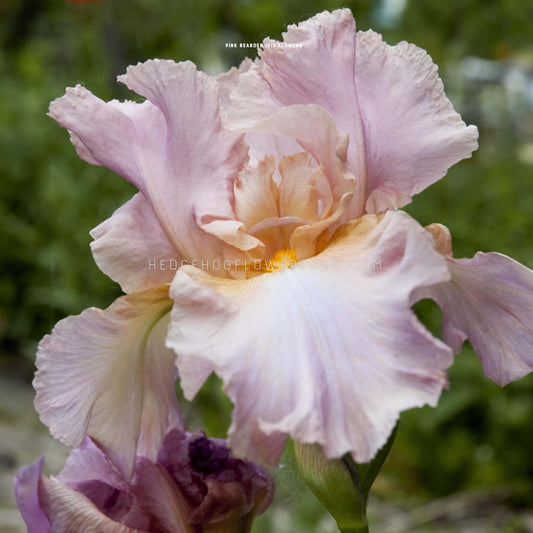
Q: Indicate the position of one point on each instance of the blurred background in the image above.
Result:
(466, 465)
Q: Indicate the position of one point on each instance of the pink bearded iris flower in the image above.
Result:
(193, 487)
(275, 187)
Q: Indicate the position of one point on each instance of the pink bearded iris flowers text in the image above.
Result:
(288, 172)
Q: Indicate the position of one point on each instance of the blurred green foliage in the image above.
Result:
(479, 434)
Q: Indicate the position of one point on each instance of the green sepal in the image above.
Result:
(341, 485)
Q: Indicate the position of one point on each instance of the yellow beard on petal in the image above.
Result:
(281, 260)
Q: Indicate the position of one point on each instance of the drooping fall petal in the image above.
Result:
(489, 301)
(108, 374)
(327, 351)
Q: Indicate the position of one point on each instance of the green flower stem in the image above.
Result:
(342, 485)
(362, 529)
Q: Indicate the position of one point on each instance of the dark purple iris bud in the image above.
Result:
(206, 455)
(194, 487)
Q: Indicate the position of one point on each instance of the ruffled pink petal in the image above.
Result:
(314, 130)
(26, 485)
(124, 137)
(227, 82)
(132, 248)
(299, 188)
(489, 301)
(412, 132)
(323, 177)
(174, 148)
(328, 351)
(404, 133)
(107, 374)
(321, 71)
(202, 157)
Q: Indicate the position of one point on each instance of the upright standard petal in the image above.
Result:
(411, 130)
(227, 82)
(287, 76)
(107, 374)
(174, 148)
(404, 132)
(327, 351)
(489, 301)
(202, 158)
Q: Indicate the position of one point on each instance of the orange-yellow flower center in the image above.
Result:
(281, 260)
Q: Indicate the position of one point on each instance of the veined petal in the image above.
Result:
(107, 374)
(412, 133)
(71, 512)
(130, 245)
(328, 351)
(26, 485)
(489, 301)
